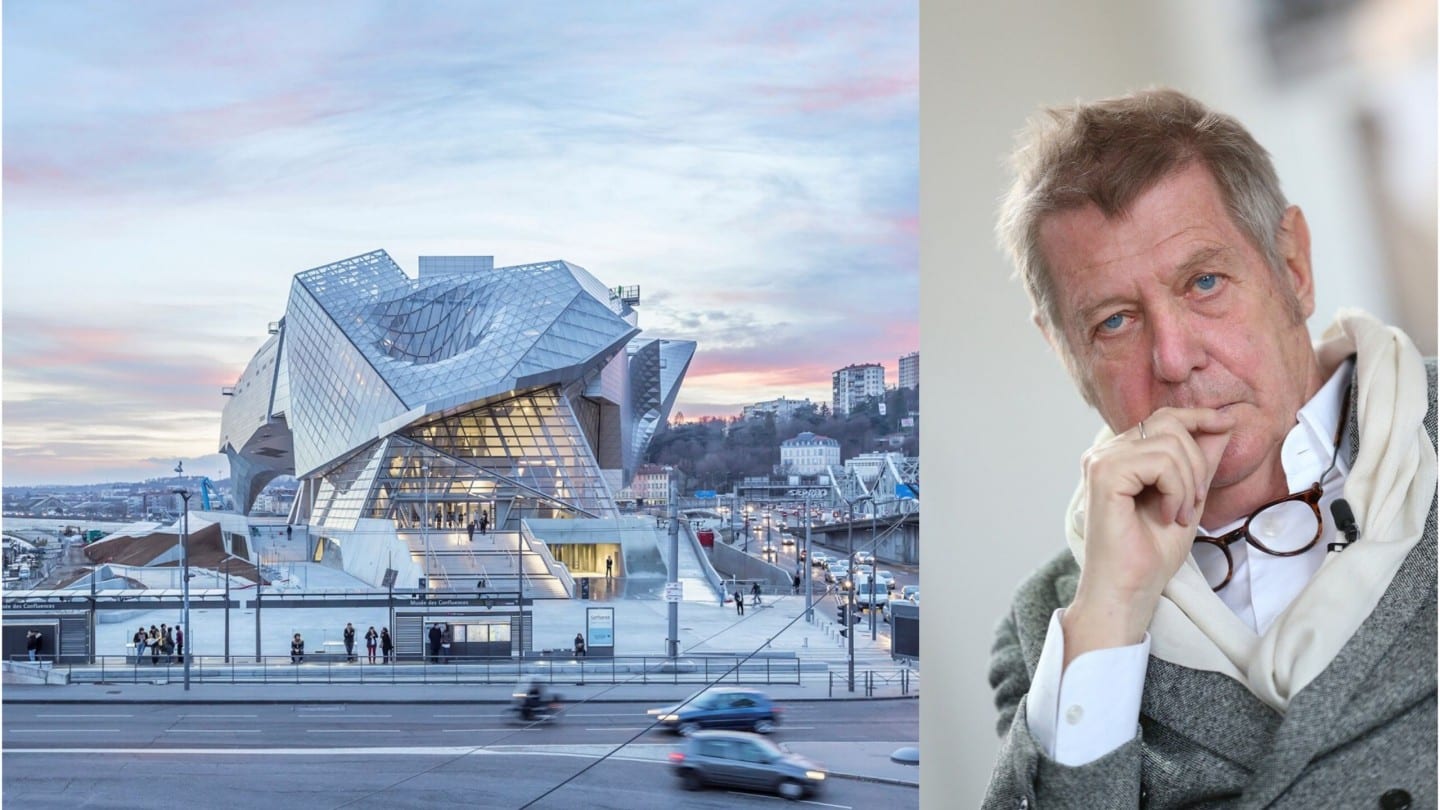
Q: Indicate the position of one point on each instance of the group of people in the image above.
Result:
(160, 641)
(441, 636)
(375, 642)
(483, 522)
(740, 598)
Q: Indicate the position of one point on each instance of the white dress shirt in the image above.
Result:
(1082, 713)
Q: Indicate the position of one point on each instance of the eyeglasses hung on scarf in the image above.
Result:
(1291, 525)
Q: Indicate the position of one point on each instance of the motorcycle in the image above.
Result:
(542, 708)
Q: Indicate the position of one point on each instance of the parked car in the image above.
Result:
(722, 708)
(742, 760)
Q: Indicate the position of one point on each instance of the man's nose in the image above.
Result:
(1176, 345)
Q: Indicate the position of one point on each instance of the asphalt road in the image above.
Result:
(403, 755)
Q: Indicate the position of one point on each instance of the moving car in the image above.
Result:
(738, 759)
(819, 559)
(864, 558)
(722, 708)
(885, 578)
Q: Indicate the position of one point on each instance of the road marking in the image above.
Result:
(64, 730)
(489, 730)
(372, 716)
(72, 716)
(251, 716)
(467, 715)
(211, 730)
(351, 730)
(623, 728)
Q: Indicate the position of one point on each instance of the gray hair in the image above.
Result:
(1107, 154)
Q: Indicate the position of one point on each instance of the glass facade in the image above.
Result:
(513, 391)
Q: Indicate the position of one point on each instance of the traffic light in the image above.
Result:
(840, 614)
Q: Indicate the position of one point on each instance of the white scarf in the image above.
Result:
(1390, 488)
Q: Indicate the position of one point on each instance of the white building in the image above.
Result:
(854, 384)
(870, 466)
(808, 454)
(910, 371)
(782, 408)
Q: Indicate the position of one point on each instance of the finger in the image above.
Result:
(1128, 469)
(1206, 433)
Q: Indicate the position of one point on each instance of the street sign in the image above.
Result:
(674, 591)
(705, 493)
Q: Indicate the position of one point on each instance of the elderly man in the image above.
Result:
(1245, 614)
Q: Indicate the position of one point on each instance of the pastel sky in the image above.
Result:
(170, 166)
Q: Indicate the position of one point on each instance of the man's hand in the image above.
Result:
(1144, 497)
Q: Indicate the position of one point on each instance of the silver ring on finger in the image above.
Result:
(1142, 428)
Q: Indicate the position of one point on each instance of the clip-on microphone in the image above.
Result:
(1344, 523)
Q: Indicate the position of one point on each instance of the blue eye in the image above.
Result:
(1207, 282)
(1113, 322)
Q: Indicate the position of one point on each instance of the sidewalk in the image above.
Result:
(866, 760)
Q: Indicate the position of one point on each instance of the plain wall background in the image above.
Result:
(1005, 427)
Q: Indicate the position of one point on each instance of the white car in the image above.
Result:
(820, 559)
(885, 578)
(787, 540)
(864, 558)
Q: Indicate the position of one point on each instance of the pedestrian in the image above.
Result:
(436, 636)
(32, 644)
(609, 566)
(154, 645)
(796, 581)
(387, 646)
(447, 635)
(139, 641)
(349, 642)
(484, 520)
(755, 593)
(470, 530)
(179, 644)
(579, 645)
(297, 649)
(739, 602)
(167, 644)
(288, 530)
(370, 639)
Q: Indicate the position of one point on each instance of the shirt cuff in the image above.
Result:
(1082, 713)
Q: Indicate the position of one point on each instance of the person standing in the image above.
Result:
(447, 635)
(739, 602)
(436, 635)
(755, 593)
(167, 644)
(32, 644)
(387, 646)
(179, 644)
(154, 646)
(139, 641)
(349, 636)
(371, 637)
(609, 566)
(470, 530)
(484, 520)
(297, 649)
(579, 645)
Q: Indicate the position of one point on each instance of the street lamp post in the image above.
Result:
(850, 596)
(809, 577)
(749, 509)
(227, 609)
(425, 523)
(185, 579)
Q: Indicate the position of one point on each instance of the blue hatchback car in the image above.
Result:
(722, 708)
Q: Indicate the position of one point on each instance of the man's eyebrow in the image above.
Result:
(1201, 258)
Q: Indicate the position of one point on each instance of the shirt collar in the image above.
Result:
(1310, 446)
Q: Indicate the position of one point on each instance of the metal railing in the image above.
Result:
(330, 668)
(903, 682)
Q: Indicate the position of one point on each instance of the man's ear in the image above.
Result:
(1293, 245)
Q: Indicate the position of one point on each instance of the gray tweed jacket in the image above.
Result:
(1361, 735)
